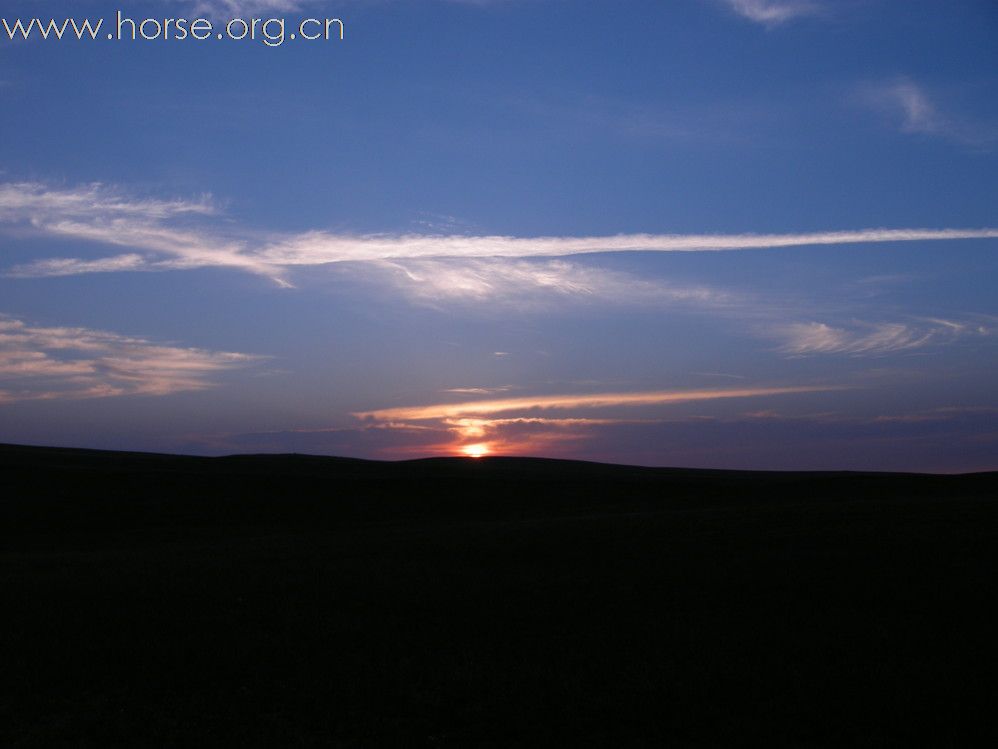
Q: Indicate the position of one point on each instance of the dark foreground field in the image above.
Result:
(154, 600)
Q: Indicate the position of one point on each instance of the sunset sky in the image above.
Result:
(706, 233)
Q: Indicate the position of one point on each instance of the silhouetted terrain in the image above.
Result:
(289, 600)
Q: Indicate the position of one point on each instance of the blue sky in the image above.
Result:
(720, 233)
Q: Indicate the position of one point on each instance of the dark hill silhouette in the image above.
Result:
(300, 600)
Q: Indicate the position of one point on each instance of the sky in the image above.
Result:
(751, 234)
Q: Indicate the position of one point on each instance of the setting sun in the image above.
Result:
(476, 451)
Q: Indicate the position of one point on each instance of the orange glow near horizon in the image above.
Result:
(471, 414)
(489, 427)
(478, 450)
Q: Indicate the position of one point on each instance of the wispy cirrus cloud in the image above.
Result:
(531, 283)
(161, 234)
(241, 8)
(916, 112)
(169, 248)
(187, 234)
(808, 338)
(316, 248)
(38, 202)
(55, 267)
(479, 390)
(774, 12)
(55, 363)
(522, 272)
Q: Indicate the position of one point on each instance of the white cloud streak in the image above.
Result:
(316, 248)
(916, 113)
(512, 281)
(179, 234)
(773, 12)
(434, 269)
(56, 267)
(229, 9)
(56, 363)
(161, 233)
(42, 203)
(808, 338)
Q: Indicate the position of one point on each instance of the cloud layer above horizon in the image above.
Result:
(70, 363)
(163, 235)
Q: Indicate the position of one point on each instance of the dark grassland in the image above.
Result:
(289, 600)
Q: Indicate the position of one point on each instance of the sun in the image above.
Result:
(476, 451)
